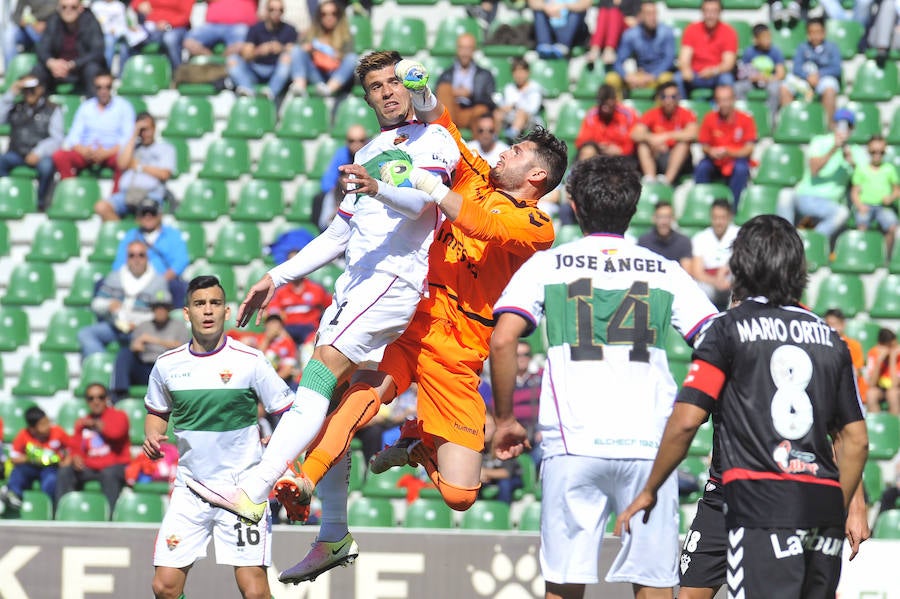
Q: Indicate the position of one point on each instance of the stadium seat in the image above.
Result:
(82, 506)
(55, 241)
(450, 28)
(863, 330)
(138, 507)
(487, 514)
(182, 156)
(842, 291)
(884, 435)
(203, 200)
(702, 443)
(36, 506)
(698, 107)
(354, 111)
(588, 82)
(744, 34)
(303, 117)
(106, 244)
(875, 84)
(194, 237)
(815, 245)
(531, 517)
(96, 368)
(567, 233)
(872, 481)
(301, 210)
(43, 374)
(858, 252)
(17, 197)
(845, 34)
(893, 134)
(788, 39)
(62, 330)
(259, 201)
(237, 243)
(250, 118)
(371, 511)
(798, 122)
(868, 121)
(226, 158)
(325, 150)
(552, 75)
(225, 274)
(508, 50)
(756, 200)
(281, 160)
(361, 30)
(18, 67)
(677, 349)
(385, 485)
(887, 525)
(655, 191)
(428, 513)
(14, 329)
(760, 113)
(145, 75)
(30, 283)
(190, 117)
(69, 411)
(12, 413)
(83, 284)
(406, 35)
(74, 198)
(500, 68)
(568, 120)
(780, 165)
(699, 199)
(643, 216)
(69, 104)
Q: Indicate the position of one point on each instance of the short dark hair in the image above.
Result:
(274, 316)
(552, 154)
(102, 73)
(605, 190)
(759, 28)
(815, 21)
(767, 259)
(519, 63)
(605, 93)
(374, 61)
(885, 336)
(663, 87)
(144, 115)
(835, 313)
(33, 415)
(203, 282)
(663, 204)
(876, 137)
(722, 203)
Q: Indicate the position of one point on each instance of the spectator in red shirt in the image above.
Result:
(167, 23)
(36, 453)
(227, 22)
(300, 304)
(100, 447)
(280, 349)
(608, 125)
(728, 137)
(664, 135)
(708, 51)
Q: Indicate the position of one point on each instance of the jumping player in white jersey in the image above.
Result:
(386, 232)
(208, 388)
(783, 382)
(607, 390)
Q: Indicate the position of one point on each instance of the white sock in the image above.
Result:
(333, 490)
(296, 429)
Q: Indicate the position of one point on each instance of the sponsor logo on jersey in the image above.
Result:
(225, 375)
(794, 461)
(172, 542)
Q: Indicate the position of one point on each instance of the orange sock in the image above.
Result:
(358, 407)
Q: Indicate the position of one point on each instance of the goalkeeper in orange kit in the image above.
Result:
(492, 226)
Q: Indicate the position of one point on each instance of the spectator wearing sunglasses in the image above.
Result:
(71, 49)
(875, 191)
(664, 135)
(485, 140)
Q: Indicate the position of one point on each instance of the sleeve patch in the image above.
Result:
(705, 378)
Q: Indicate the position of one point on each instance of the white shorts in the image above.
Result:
(579, 495)
(188, 525)
(367, 314)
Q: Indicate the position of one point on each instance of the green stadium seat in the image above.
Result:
(160, 487)
(858, 252)
(82, 506)
(846, 34)
(371, 511)
(182, 156)
(259, 201)
(204, 200)
(69, 104)
(568, 121)
(683, 3)
(62, 330)
(702, 443)
(428, 513)
(301, 210)
(194, 237)
(36, 506)
(139, 507)
(654, 192)
(679, 370)
(191, 117)
(893, 134)
(552, 75)
(887, 525)
(325, 151)
(868, 121)
(799, 122)
(588, 82)
(744, 34)
(281, 160)
(4, 238)
(643, 216)
(55, 241)
(677, 349)
(697, 204)
(531, 517)
(71, 410)
(507, 50)
(83, 283)
(567, 233)
(14, 331)
(145, 75)
(361, 30)
(303, 117)
(18, 67)
(74, 198)
(487, 514)
(886, 303)
(96, 368)
(17, 197)
(406, 35)
(137, 103)
(780, 166)
(698, 107)
(872, 480)
(225, 274)
(12, 413)
(226, 158)
(875, 84)
(30, 283)
(761, 115)
(43, 374)
(250, 118)
(500, 68)
(106, 244)
(788, 39)
(450, 28)
(385, 485)
(815, 245)
(237, 243)
(863, 330)
(884, 435)
(842, 291)
(354, 111)
(756, 200)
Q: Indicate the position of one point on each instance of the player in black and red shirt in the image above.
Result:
(782, 381)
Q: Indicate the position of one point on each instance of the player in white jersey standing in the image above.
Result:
(386, 232)
(209, 388)
(607, 390)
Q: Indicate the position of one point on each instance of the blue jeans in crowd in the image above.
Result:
(684, 87)
(16, 36)
(211, 34)
(128, 370)
(547, 36)
(94, 338)
(171, 41)
(830, 214)
(45, 170)
(247, 74)
(706, 172)
(302, 67)
(23, 475)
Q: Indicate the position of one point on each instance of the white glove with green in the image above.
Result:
(414, 76)
(397, 172)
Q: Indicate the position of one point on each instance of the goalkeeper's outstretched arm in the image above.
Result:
(414, 76)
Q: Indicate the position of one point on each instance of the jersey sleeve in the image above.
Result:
(524, 294)
(443, 155)
(158, 399)
(470, 162)
(691, 307)
(270, 388)
(521, 228)
(709, 366)
(849, 405)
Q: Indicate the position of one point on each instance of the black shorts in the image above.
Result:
(784, 563)
(702, 563)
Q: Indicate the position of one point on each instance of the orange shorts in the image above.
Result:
(433, 353)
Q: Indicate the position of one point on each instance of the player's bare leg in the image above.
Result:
(556, 590)
(697, 593)
(644, 592)
(168, 583)
(252, 582)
